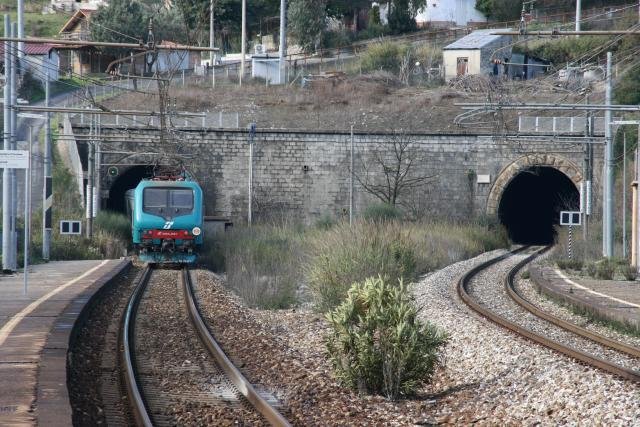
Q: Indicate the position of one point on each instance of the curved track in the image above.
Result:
(590, 359)
(136, 397)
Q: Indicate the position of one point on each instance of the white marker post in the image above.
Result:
(19, 159)
(570, 218)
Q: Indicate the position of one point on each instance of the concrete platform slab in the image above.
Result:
(34, 337)
(610, 300)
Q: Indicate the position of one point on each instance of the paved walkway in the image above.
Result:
(607, 299)
(34, 337)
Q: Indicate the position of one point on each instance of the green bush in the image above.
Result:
(345, 255)
(591, 269)
(114, 223)
(628, 271)
(263, 264)
(378, 345)
(383, 56)
(604, 269)
(381, 212)
(325, 222)
(570, 264)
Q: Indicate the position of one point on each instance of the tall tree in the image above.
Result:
(120, 21)
(402, 14)
(500, 10)
(307, 20)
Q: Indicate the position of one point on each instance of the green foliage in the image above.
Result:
(563, 50)
(345, 255)
(402, 14)
(570, 264)
(383, 56)
(31, 88)
(628, 272)
(627, 90)
(500, 10)
(388, 56)
(325, 222)
(121, 18)
(374, 16)
(263, 264)
(115, 223)
(604, 269)
(381, 212)
(378, 345)
(307, 21)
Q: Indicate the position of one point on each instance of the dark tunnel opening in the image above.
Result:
(531, 203)
(126, 181)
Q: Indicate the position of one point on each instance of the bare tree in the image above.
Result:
(391, 170)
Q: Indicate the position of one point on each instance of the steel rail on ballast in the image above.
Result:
(241, 383)
(137, 404)
(585, 333)
(537, 338)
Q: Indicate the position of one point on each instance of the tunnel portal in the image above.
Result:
(531, 203)
(127, 180)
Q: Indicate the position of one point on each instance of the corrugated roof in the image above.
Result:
(476, 40)
(30, 49)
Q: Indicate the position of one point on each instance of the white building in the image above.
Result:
(475, 53)
(444, 13)
(40, 60)
(73, 5)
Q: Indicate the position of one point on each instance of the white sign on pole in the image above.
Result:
(570, 218)
(14, 159)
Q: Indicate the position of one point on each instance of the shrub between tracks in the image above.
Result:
(377, 344)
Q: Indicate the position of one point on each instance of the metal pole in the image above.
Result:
(243, 49)
(212, 39)
(624, 195)
(6, 174)
(609, 165)
(90, 184)
(283, 38)
(47, 202)
(14, 136)
(351, 182)
(20, 33)
(27, 213)
(250, 213)
(578, 15)
(97, 187)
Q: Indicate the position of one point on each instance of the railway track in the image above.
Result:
(520, 316)
(143, 377)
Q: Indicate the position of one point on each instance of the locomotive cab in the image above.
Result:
(167, 221)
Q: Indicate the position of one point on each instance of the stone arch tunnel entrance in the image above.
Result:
(531, 203)
(125, 181)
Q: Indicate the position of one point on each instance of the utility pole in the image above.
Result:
(608, 222)
(47, 196)
(90, 180)
(252, 134)
(351, 182)
(20, 34)
(624, 195)
(27, 212)
(6, 174)
(14, 120)
(212, 42)
(243, 49)
(578, 15)
(283, 39)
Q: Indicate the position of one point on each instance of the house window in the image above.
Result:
(463, 66)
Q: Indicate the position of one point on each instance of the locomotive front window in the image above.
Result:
(167, 202)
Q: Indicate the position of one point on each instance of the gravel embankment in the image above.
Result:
(493, 377)
(492, 294)
(490, 376)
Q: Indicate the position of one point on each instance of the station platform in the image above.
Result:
(609, 300)
(34, 337)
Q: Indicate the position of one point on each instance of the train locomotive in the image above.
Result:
(166, 219)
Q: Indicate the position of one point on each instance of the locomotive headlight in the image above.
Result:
(196, 231)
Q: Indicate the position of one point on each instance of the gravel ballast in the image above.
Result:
(490, 376)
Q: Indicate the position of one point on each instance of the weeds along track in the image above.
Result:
(490, 289)
(173, 370)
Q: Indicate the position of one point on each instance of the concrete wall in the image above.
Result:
(450, 61)
(306, 175)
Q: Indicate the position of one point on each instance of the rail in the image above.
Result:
(532, 336)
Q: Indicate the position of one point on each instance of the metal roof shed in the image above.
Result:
(473, 54)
